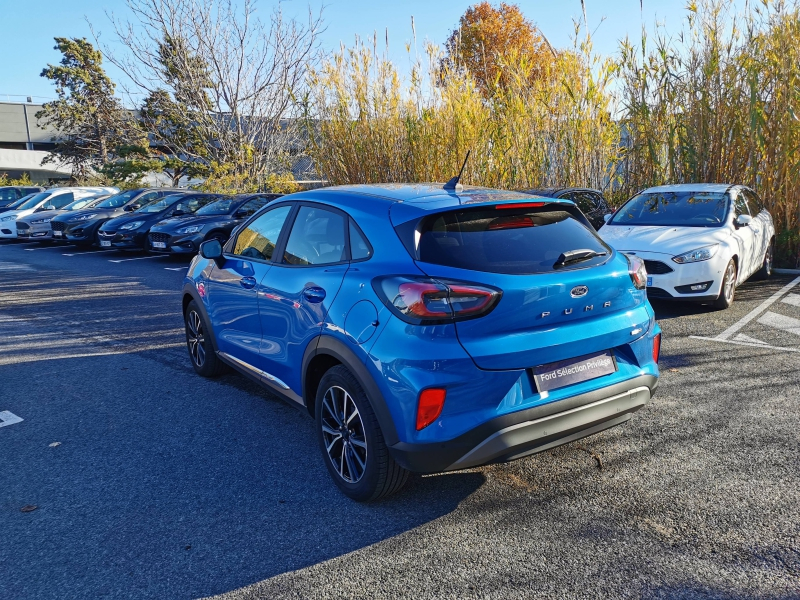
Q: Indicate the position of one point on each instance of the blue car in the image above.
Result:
(427, 328)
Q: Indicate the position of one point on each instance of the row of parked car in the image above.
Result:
(698, 241)
(153, 219)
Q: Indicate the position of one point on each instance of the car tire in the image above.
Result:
(201, 352)
(728, 290)
(766, 266)
(351, 441)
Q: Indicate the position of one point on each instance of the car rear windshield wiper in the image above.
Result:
(571, 256)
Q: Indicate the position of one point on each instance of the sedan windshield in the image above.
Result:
(78, 204)
(187, 204)
(674, 209)
(120, 199)
(35, 200)
(220, 207)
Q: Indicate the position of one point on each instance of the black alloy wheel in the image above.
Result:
(201, 351)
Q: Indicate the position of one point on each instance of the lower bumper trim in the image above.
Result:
(538, 435)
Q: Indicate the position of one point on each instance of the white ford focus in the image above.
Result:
(698, 241)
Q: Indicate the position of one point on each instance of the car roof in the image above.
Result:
(719, 188)
(431, 196)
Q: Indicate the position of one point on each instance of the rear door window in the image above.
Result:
(586, 201)
(317, 238)
(511, 241)
(251, 207)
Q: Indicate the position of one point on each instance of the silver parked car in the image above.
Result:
(36, 226)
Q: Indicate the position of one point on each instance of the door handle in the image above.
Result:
(314, 294)
(248, 283)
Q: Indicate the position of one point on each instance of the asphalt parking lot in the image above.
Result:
(150, 482)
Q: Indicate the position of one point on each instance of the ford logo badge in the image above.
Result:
(579, 291)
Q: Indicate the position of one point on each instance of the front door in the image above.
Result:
(232, 288)
(745, 236)
(295, 295)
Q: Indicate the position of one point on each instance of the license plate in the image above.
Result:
(105, 243)
(649, 282)
(56, 234)
(574, 370)
(159, 244)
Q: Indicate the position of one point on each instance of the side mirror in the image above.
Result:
(212, 250)
(607, 217)
(743, 220)
(241, 214)
(177, 213)
(130, 207)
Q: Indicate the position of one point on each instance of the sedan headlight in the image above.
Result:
(40, 221)
(132, 225)
(699, 255)
(190, 229)
(83, 218)
(11, 218)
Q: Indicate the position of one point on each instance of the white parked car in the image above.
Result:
(52, 199)
(698, 241)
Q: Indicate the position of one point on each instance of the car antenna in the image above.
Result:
(453, 183)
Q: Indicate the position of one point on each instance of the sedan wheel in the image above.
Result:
(728, 287)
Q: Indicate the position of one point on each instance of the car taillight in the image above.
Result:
(656, 347)
(431, 402)
(637, 271)
(423, 300)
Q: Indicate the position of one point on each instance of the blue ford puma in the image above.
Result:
(427, 328)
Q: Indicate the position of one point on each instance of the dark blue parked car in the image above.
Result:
(427, 329)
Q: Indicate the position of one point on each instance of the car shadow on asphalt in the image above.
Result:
(165, 484)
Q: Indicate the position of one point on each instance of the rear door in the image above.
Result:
(759, 227)
(295, 295)
(232, 288)
(548, 311)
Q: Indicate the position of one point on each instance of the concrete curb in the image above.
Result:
(787, 271)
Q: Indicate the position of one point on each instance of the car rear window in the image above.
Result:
(511, 241)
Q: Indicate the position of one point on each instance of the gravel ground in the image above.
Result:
(164, 485)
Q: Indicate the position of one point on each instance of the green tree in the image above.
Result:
(90, 120)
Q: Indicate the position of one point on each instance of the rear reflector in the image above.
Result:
(431, 402)
(656, 347)
(520, 205)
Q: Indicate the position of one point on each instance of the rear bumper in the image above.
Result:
(530, 431)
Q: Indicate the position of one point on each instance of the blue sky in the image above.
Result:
(26, 44)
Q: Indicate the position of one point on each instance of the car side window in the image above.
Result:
(144, 198)
(359, 247)
(740, 204)
(62, 200)
(8, 195)
(755, 203)
(259, 238)
(585, 200)
(251, 207)
(317, 238)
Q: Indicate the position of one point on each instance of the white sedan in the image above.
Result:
(698, 241)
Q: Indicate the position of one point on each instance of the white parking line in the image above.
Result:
(43, 248)
(140, 258)
(716, 339)
(725, 335)
(793, 299)
(7, 418)
(781, 322)
(175, 268)
(89, 252)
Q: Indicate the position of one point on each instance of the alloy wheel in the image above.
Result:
(196, 338)
(730, 281)
(343, 434)
(768, 261)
